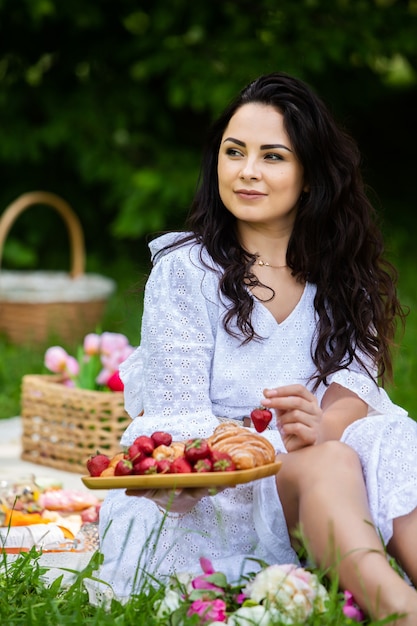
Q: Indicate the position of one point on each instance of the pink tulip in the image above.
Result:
(91, 344)
(56, 359)
(208, 610)
(103, 376)
(71, 367)
(112, 342)
(350, 608)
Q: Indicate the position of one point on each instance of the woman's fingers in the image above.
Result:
(298, 415)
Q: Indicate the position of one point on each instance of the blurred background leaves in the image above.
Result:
(107, 103)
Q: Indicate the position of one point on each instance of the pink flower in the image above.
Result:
(201, 582)
(208, 610)
(91, 344)
(58, 361)
(206, 565)
(98, 362)
(350, 608)
(112, 342)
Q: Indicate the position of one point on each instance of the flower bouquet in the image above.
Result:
(69, 415)
(278, 594)
(97, 364)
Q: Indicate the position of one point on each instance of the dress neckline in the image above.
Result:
(291, 314)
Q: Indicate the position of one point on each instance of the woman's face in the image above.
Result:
(260, 177)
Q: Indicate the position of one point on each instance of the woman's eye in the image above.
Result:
(233, 152)
(273, 156)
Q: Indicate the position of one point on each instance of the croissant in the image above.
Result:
(247, 449)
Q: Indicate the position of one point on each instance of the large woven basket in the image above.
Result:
(36, 306)
(62, 426)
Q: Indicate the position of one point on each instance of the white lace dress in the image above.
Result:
(186, 373)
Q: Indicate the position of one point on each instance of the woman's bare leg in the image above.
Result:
(323, 494)
(403, 545)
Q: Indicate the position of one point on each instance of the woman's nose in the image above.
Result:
(249, 170)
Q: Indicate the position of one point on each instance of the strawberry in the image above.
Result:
(222, 461)
(123, 468)
(180, 466)
(145, 444)
(97, 463)
(203, 465)
(161, 438)
(261, 418)
(196, 449)
(134, 453)
(147, 465)
(163, 466)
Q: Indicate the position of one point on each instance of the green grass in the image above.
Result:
(26, 599)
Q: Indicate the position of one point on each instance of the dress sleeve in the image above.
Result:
(356, 379)
(168, 377)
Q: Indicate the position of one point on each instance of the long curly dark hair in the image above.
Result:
(336, 242)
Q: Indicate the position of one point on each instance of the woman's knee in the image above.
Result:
(319, 470)
(317, 462)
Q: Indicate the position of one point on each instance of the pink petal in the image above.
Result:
(206, 565)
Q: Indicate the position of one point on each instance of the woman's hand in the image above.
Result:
(178, 501)
(298, 414)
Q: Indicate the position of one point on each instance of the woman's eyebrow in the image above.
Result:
(266, 146)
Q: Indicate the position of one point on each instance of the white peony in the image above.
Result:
(292, 590)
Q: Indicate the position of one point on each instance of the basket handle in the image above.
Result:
(72, 223)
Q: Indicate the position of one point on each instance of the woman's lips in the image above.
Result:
(249, 193)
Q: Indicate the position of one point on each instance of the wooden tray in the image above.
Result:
(175, 481)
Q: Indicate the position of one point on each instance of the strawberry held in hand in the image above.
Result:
(261, 418)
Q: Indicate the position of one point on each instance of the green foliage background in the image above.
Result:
(106, 103)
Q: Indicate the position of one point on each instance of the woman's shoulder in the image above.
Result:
(180, 247)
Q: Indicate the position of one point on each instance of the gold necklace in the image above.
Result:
(274, 267)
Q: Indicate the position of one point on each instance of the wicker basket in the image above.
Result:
(62, 426)
(36, 307)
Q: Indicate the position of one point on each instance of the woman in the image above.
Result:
(278, 293)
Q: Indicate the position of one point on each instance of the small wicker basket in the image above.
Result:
(62, 426)
(38, 306)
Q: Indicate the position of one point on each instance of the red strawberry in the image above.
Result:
(123, 468)
(148, 465)
(196, 449)
(161, 438)
(261, 418)
(163, 466)
(134, 453)
(97, 464)
(203, 465)
(145, 444)
(222, 461)
(180, 465)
